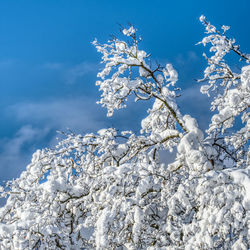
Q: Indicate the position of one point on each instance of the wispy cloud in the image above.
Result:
(78, 113)
(70, 73)
(78, 71)
(188, 58)
(12, 156)
(53, 65)
(8, 63)
(39, 122)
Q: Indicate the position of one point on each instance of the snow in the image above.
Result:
(101, 191)
(202, 18)
(242, 177)
(129, 32)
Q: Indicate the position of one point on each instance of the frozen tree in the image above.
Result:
(109, 190)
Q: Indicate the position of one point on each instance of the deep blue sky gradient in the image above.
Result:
(48, 66)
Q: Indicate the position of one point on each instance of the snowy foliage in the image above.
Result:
(109, 190)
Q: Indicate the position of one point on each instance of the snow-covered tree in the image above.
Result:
(109, 190)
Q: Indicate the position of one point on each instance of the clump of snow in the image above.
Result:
(128, 32)
(202, 18)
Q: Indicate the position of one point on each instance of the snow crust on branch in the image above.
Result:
(109, 190)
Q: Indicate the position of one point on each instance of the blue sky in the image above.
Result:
(48, 66)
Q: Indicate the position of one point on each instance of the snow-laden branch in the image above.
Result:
(232, 99)
(111, 191)
(127, 71)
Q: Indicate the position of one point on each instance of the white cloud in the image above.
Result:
(70, 73)
(78, 113)
(187, 59)
(24, 134)
(12, 158)
(79, 70)
(39, 122)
